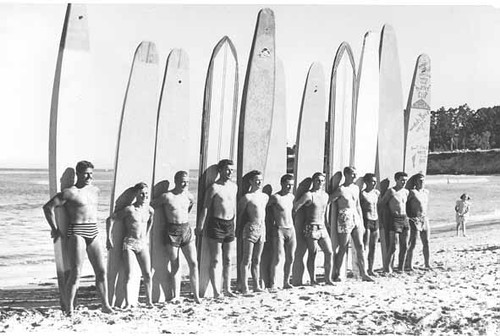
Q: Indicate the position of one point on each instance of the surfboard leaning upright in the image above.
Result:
(134, 158)
(172, 137)
(257, 105)
(70, 101)
(309, 158)
(218, 137)
(390, 148)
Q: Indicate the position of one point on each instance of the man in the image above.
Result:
(251, 227)
(283, 232)
(177, 205)
(349, 222)
(315, 202)
(369, 199)
(416, 208)
(395, 200)
(219, 210)
(80, 203)
(137, 220)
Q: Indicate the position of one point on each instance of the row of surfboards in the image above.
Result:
(366, 127)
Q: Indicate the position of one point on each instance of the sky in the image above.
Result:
(463, 43)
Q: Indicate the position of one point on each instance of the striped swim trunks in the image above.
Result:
(88, 231)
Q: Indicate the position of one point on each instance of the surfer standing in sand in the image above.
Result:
(369, 199)
(283, 238)
(80, 203)
(349, 222)
(177, 205)
(137, 220)
(219, 210)
(315, 202)
(251, 227)
(395, 200)
(416, 209)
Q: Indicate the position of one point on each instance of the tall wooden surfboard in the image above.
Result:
(366, 116)
(340, 128)
(418, 118)
(218, 136)
(390, 150)
(172, 137)
(309, 156)
(134, 158)
(257, 105)
(275, 168)
(70, 101)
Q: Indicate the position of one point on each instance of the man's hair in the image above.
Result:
(465, 197)
(82, 165)
(224, 162)
(400, 174)
(318, 174)
(180, 174)
(140, 186)
(253, 173)
(286, 177)
(349, 170)
(368, 176)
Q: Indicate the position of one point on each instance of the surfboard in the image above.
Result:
(275, 168)
(340, 128)
(309, 158)
(218, 137)
(366, 116)
(257, 106)
(172, 137)
(418, 118)
(70, 101)
(390, 148)
(134, 158)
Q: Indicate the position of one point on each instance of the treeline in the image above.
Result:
(464, 129)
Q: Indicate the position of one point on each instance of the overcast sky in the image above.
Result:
(463, 43)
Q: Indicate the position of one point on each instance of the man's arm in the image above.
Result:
(48, 210)
(150, 220)
(191, 202)
(242, 204)
(204, 211)
(303, 200)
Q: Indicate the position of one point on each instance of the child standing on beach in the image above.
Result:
(462, 209)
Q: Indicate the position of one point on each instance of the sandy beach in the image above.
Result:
(461, 295)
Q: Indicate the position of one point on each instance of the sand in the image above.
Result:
(461, 295)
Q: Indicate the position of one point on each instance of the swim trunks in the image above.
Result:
(283, 234)
(134, 244)
(346, 220)
(221, 230)
(371, 224)
(399, 223)
(418, 223)
(253, 232)
(88, 231)
(178, 234)
(315, 231)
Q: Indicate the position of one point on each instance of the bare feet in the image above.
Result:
(107, 310)
(329, 283)
(258, 290)
(370, 272)
(367, 278)
(228, 293)
(287, 285)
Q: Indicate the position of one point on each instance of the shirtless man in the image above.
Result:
(369, 199)
(315, 201)
(251, 227)
(220, 208)
(80, 203)
(283, 231)
(395, 199)
(137, 220)
(416, 209)
(349, 222)
(177, 205)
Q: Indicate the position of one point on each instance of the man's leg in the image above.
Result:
(189, 252)
(255, 265)
(174, 276)
(227, 253)
(312, 249)
(290, 247)
(374, 235)
(424, 236)
(326, 247)
(127, 256)
(338, 257)
(403, 248)
(358, 245)
(76, 252)
(96, 258)
(464, 222)
(215, 253)
(245, 264)
(278, 252)
(144, 261)
(393, 240)
(411, 248)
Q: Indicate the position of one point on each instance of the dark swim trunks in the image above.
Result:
(371, 224)
(399, 223)
(418, 223)
(87, 231)
(221, 230)
(178, 234)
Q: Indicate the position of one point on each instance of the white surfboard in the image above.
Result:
(172, 137)
(418, 118)
(341, 125)
(218, 137)
(134, 158)
(71, 99)
(309, 158)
